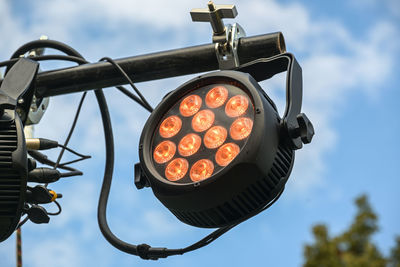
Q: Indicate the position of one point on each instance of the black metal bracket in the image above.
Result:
(16, 82)
(296, 125)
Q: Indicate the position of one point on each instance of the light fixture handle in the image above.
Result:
(296, 124)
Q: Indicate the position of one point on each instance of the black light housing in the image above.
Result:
(256, 175)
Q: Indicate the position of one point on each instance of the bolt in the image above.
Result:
(211, 6)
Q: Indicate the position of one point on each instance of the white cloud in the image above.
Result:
(390, 6)
(335, 63)
(62, 251)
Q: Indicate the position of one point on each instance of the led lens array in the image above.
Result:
(202, 133)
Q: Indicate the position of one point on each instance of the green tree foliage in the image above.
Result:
(395, 255)
(353, 247)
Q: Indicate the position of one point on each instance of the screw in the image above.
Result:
(211, 6)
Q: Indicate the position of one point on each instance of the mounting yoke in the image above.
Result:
(225, 37)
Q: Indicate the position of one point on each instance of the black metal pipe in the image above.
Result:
(153, 66)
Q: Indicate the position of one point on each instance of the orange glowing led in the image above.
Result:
(170, 126)
(176, 169)
(189, 144)
(241, 128)
(201, 170)
(203, 120)
(164, 151)
(190, 105)
(216, 97)
(215, 137)
(226, 154)
(236, 106)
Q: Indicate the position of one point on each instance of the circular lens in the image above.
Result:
(203, 120)
(216, 97)
(189, 144)
(176, 169)
(170, 126)
(201, 170)
(241, 128)
(190, 105)
(164, 151)
(215, 137)
(226, 154)
(236, 106)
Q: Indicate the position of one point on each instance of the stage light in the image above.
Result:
(234, 152)
(13, 153)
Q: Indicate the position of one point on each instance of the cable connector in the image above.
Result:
(41, 195)
(147, 252)
(40, 143)
(44, 175)
(38, 214)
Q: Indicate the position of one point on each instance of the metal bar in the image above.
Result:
(153, 66)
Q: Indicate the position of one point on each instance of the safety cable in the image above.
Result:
(126, 76)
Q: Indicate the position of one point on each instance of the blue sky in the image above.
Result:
(349, 51)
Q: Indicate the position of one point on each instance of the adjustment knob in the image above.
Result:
(306, 129)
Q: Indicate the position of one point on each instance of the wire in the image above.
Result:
(71, 173)
(119, 68)
(74, 152)
(57, 212)
(219, 232)
(133, 97)
(77, 113)
(9, 63)
(41, 158)
(46, 44)
(72, 161)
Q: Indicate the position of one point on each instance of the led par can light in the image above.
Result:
(215, 150)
